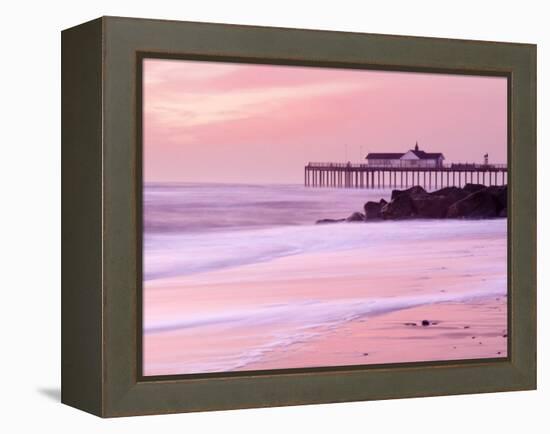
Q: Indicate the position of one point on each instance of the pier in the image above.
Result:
(348, 175)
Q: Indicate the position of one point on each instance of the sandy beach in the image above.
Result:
(332, 308)
(457, 331)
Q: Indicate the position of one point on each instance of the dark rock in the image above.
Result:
(431, 206)
(416, 202)
(436, 204)
(356, 217)
(474, 201)
(472, 188)
(425, 322)
(325, 221)
(453, 194)
(413, 191)
(400, 207)
(481, 204)
(500, 192)
(372, 210)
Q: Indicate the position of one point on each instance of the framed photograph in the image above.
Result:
(262, 217)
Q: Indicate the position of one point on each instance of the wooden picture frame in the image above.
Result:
(101, 216)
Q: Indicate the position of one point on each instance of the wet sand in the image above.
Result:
(457, 331)
(333, 308)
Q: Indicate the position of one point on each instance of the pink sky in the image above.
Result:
(230, 122)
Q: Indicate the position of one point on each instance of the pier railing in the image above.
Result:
(364, 175)
(406, 165)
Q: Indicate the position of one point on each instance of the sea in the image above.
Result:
(197, 234)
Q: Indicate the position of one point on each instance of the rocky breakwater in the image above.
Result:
(473, 201)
